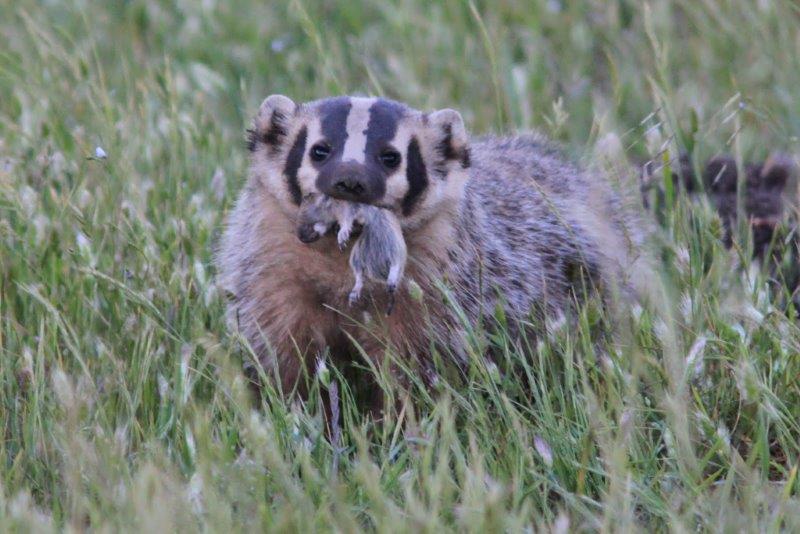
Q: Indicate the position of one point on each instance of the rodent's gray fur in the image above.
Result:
(379, 252)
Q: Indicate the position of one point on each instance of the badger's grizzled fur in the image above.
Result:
(493, 222)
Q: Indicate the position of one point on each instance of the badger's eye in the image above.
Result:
(390, 158)
(320, 152)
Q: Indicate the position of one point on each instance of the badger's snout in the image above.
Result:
(351, 181)
(350, 187)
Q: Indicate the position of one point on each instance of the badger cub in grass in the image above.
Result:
(494, 229)
(379, 253)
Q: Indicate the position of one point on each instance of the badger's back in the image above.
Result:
(534, 229)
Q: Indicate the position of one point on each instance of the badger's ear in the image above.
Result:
(272, 123)
(449, 136)
(777, 170)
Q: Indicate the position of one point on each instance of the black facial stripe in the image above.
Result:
(417, 176)
(293, 161)
(384, 116)
(333, 124)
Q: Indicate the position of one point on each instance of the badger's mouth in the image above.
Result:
(309, 233)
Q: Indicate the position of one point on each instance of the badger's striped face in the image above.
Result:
(368, 150)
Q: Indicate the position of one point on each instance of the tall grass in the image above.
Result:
(122, 399)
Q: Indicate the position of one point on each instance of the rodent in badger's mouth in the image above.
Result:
(307, 235)
(379, 252)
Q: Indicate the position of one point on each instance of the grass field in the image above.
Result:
(122, 400)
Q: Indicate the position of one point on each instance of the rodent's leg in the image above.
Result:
(392, 281)
(345, 229)
(355, 293)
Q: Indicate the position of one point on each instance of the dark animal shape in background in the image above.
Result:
(769, 202)
(766, 196)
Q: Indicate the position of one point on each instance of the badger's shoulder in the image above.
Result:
(532, 215)
(523, 177)
(522, 158)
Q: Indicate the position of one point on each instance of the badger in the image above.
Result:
(770, 188)
(378, 254)
(489, 223)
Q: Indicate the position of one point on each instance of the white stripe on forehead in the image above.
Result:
(357, 121)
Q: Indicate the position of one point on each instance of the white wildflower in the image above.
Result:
(724, 434)
(544, 450)
(40, 225)
(695, 356)
(186, 389)
(686, 306)
(662, 330)
(561, 526)
(493, 372)
(556, 324)
(770, 409)
(278, 44)
(28, 200)
(195, 493)
(218, 184)
(739, 329)
(63, 388)
(200, 273)
(753, 314)
(85, 248)
(163, 387)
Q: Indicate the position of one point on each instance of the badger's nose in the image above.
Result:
(350, 183)
(350, 186)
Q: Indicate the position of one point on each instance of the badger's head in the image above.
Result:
(368, 150)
